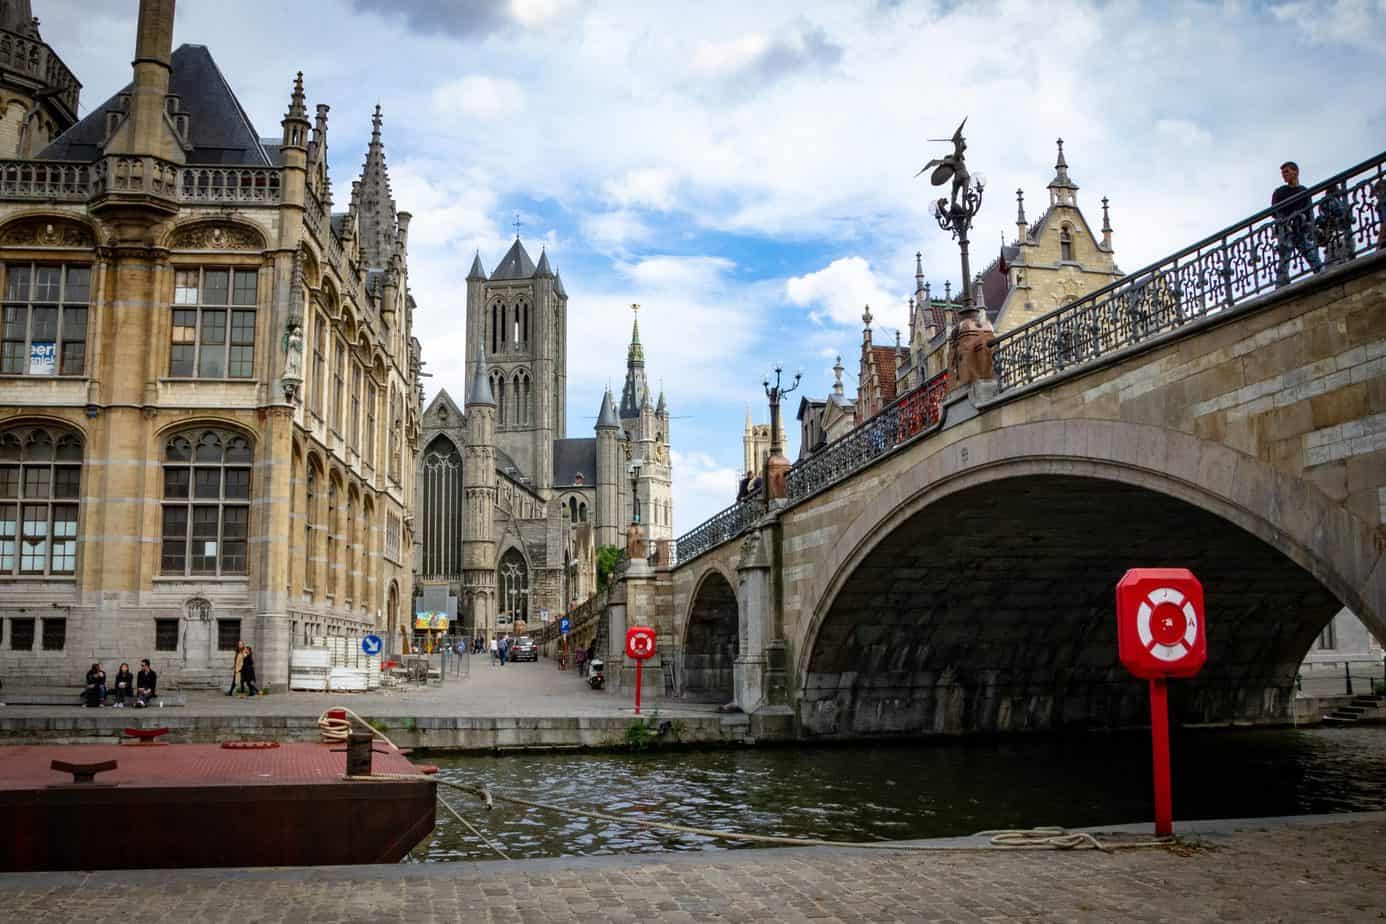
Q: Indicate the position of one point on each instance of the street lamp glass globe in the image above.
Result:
(980, 179)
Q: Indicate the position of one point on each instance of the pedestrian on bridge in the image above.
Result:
(1294, 223)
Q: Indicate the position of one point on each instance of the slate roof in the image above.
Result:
(516, 264)
(571, 457)
(218, 127)
(543, 268)
(480, 392)
(558, 286)
(476, 272)
(606, 418)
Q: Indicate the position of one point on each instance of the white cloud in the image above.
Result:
(538, 12)
(841, 290)
(479, 96)
(702, 487)
(614, 232)
(1183, 132)
(649, 187)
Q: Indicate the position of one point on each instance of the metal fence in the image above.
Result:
(1331, 223)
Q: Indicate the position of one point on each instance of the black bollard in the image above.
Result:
(359, 753)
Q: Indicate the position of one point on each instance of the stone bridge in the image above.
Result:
(950, 566)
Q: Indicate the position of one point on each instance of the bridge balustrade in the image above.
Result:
(1341, 218)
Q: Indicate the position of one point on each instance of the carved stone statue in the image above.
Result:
(972, 344)
(636, 548)
(293, 352)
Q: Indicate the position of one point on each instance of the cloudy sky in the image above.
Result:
(745, 171)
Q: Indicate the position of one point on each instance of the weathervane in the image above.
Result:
(517, 226)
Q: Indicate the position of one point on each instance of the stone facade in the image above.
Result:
(963, 582)
(211, 401)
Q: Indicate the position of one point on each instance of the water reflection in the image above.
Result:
(888, 792)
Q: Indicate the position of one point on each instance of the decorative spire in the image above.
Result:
(606, 417)
(866, 317)
(636, 392)
(662, 409)
(480, 393)
(543, 268)
(1020, 208)
(636, 353)
(918, 272)
(297, 108)
(1062, 181)
(377, 204)
(948, 291)
(477, 274)
(979, 298)
(1106, 218)
(837, 382)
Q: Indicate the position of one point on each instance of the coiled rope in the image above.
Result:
(335, 730)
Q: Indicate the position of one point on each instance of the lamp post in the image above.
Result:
(633, 469)
(777, 466)
(955, 214)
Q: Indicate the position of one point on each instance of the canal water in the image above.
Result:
(932, 788)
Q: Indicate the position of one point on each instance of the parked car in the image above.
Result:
(524, 649)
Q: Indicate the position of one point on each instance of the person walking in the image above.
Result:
(248, 672)
(1294, 224)
(236, 668)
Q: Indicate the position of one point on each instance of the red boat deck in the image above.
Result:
(29, 766)
(191, 805)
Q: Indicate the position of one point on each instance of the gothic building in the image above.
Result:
(38, 94)
(210, 401)
(512, 510)
(1052, 261)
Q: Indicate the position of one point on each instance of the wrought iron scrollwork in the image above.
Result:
(720, 528)
(1343, 218)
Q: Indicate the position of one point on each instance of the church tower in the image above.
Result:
(519, 316)
(479, 479)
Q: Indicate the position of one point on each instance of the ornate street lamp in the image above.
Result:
(955, 214)
(775, 393)
(633, 469)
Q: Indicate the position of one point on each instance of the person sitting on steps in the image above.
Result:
(124, 685)
(146, 684)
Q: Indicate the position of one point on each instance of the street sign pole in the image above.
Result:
(638, 665)
(1159, 732)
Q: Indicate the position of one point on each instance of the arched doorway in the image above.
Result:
(392, 609)
(512, 583)
(712, 642)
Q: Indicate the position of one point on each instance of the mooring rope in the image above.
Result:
(335, 730)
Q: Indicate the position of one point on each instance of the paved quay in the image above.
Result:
(1323, 869)
(530, 704)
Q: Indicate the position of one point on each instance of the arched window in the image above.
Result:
(1066, 244)
(206, 502)
(512, 581)
(367, 555)
(572, 510)
(498, 392)
(312, 515)
(522, 412)
(333, 537)
(443, 509)
(40, 478)
(497, 325)
(582, 513)
(319, 363)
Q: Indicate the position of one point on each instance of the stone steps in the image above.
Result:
(1356, 710)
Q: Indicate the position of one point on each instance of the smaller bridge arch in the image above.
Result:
(711, 640)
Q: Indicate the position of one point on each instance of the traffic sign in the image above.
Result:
(564, 625)
(371, 645)
(544, 614)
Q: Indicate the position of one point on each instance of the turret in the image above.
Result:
(610, 473)
(145, 128)
(1062, 189)
(1106, 226)
(479, 481)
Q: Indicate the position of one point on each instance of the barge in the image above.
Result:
(157, 806)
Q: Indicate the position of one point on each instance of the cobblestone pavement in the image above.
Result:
(527, 689)
(1324, 871)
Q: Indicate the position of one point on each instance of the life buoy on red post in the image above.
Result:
(1161, 634)
(1160, 626)
(640, 645)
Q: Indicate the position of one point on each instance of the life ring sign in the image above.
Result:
(1160, 623)
(640, 642)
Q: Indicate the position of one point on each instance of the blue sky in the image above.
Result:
(746, 171)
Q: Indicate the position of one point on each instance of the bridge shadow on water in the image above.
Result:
(992, 609)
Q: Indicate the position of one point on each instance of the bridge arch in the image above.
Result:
(711, 638)
(910, 632)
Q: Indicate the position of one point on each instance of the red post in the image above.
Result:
(1159, 733)
(637, 686)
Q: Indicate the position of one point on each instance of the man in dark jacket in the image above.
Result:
(146, 684)
(1294, 223)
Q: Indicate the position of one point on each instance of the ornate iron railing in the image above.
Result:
(1334, 222)
(720, 528)
(899, 422)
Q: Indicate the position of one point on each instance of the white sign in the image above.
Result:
(543, 615)
(43, 358)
